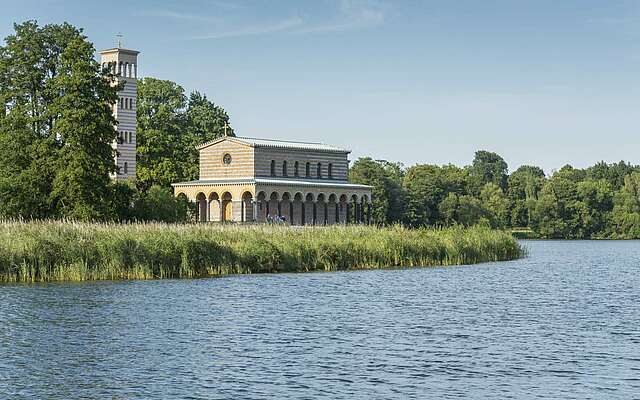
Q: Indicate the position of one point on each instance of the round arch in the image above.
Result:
(201, 200)
(227, 207)
(248, 213)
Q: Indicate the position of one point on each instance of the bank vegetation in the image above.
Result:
(71, 251)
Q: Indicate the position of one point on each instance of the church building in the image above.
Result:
(257, 180)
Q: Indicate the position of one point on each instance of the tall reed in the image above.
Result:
(71, 251)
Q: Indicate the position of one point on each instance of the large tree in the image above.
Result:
(57, 128)
(170, 126)
(388, 194)
(488, 167)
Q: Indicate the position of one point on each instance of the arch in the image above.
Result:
(297, 209)
(307, 170)
(332, 209)
(214, 207)
(330, 171)
(321, 210)
(262, 205)
(309, 209)
(286, 207)
(319, 170)
(343, 205)
(284, 168)
(274, 205)
(227, 207)
(201, 200)
(354, 209)
(247, 214)
(296, 170)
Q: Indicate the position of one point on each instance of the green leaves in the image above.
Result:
(169, 129)
(57, 130)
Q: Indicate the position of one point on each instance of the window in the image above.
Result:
(126, 168)
(319, 171)
(330, 171)
(226, 159)
(295, 169)
(130, 137)
(308, 170)
(284, 168)
(273, 167)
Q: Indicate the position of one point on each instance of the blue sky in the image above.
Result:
(540, 82)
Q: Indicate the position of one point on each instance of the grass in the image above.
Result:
(70, 251)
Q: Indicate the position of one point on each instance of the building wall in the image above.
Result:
(213, 167)
(264, 156)
(124, 64)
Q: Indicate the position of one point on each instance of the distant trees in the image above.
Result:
(602, 201)
(386, 179)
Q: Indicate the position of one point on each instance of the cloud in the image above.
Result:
(284, 25)
(353, 14)
(178, 15)
(347, 15)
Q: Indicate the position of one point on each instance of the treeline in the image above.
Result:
(602, 201)
(57, 130)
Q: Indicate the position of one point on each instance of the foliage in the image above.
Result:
(388, 194)
(54, 251)
(601, 201)
(488, 167)
(56, 127)
(170, 126)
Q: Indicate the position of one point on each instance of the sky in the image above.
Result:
(540, 82)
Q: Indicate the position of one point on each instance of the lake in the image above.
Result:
(562, 323)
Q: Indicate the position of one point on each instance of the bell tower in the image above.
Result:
(124, 64)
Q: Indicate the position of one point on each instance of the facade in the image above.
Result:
(257, 180)
(124, 64)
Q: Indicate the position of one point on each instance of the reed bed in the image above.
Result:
(71, 251)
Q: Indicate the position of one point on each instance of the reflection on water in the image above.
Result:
(563, 323)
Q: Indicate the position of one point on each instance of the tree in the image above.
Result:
(56, 128)
(84, 126)
(388, 194)
(427, 186)
(496, 205)
(170, 128)
(488, 167)
(626, 211)
(523, 187)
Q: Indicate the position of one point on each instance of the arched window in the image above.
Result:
(284, 168)
(295, 169)
(308, 170)
(319, 171)
(273, 167)
(126, 168)
(330, 171)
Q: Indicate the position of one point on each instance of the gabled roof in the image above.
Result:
(281, 144)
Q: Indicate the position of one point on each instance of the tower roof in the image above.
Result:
(120, 50)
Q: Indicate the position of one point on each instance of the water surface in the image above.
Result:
(562, 323)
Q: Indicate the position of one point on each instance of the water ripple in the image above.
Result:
(562, 323)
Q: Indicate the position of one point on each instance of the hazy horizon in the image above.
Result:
(538, 82)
